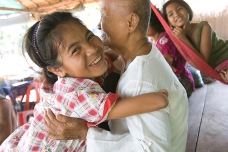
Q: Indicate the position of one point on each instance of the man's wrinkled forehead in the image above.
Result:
(106, 6)
(106, 3)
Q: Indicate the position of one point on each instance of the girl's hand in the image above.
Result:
(173, 68)
(224, 74)
(169, 59)
(179, 33)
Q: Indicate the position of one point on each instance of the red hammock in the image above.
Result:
(190, 56)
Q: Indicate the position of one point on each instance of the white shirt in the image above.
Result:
(164, 130)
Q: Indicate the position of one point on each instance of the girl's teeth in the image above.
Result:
(97, 60)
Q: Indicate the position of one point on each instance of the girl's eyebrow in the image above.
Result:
(71, 45)
(179, 6)
(169, 12)
(74, 43)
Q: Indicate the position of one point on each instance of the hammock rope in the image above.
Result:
(190, 56)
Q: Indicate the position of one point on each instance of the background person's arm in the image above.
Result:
(7, 119)
(112, 54)
(169, 59)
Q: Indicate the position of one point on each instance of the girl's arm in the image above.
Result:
(139, 104)
(206, 41)
(112, 54)
(169, 59)
(178, 32)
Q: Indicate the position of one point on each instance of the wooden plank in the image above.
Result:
(213, 136)
(47, 6)
(196, 106)
(19, 10)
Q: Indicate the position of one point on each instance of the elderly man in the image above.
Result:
(143, 69)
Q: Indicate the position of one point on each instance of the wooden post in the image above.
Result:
(37, 16)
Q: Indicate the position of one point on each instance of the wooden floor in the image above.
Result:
(208, 119)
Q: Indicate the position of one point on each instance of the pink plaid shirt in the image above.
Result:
(74, 97)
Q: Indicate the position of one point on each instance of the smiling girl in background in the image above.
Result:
(199, 37)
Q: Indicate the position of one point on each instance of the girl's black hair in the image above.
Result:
(42, 40)
(155, 23)
(182, 3)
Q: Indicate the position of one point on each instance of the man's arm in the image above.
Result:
(61, 127)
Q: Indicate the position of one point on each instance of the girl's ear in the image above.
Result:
(132, 22)
(57, 71)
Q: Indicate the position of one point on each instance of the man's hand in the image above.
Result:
(61, 127)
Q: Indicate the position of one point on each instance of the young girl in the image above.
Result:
(199, 37)
(72, 58)
(162, 41)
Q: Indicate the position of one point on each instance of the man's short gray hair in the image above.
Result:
(143, 10)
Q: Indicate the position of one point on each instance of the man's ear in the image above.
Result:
(57, 71)
(132, 21)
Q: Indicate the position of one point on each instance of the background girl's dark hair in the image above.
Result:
(155, 23)
(48, 38)
(182, 3)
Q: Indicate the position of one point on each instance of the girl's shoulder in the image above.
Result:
(203, 28)
(202, 24)
(199, 25)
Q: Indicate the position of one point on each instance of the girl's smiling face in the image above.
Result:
(81, 53)
(177, 14)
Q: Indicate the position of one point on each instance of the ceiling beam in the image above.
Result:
(20, 10)
(49, 7)
(59, 3)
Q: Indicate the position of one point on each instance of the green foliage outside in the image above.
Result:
(11, 38)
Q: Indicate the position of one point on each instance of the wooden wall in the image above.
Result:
(218, 21)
